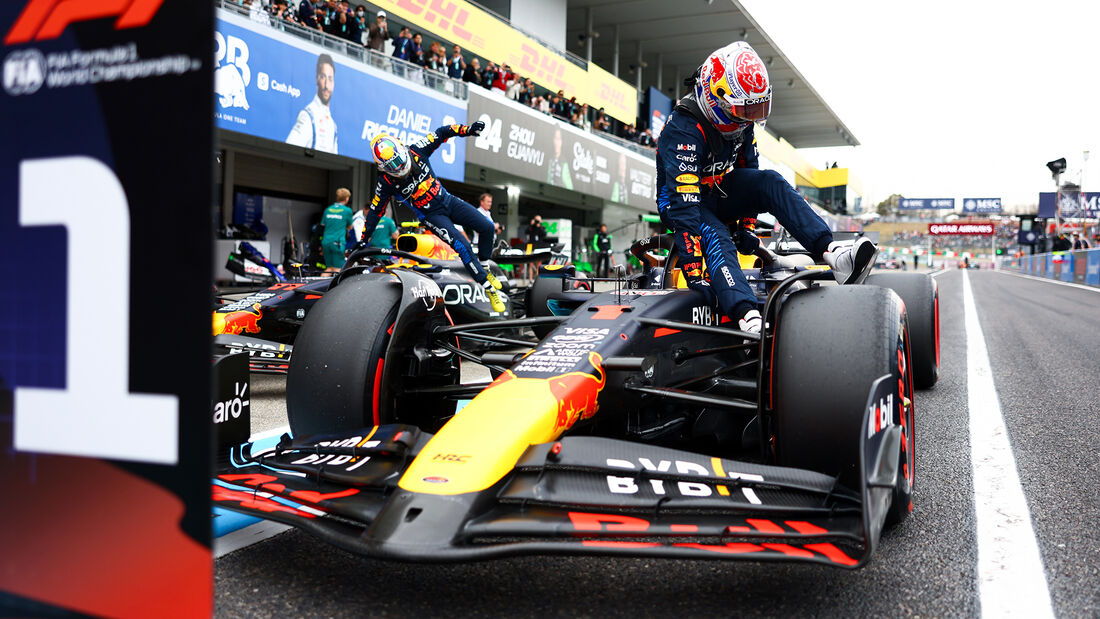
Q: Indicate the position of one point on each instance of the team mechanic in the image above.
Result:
(708, 176)
(407, 175)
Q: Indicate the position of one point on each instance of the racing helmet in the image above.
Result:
(733, 88)
(391, 155)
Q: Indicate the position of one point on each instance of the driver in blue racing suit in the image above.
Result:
(408, 177)
(708, 176)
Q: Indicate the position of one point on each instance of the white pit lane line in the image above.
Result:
(1011, 579)
(1048, 280)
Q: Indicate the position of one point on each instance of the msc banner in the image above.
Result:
(276, 86)
(1083, 205)
(970, 228)
(981, 205)
(479, 32)
(913, 204)
(527, 143)
(104, 439)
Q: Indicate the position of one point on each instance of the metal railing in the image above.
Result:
(401, 68)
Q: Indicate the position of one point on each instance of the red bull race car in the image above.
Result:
(636, 425)
(264, 323)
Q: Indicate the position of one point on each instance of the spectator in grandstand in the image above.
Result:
(557, 106)
(280, 13)
(415, 51)
(337, 220)
(629, 134)
(512, 83)
(571, 107)
(307, 14)
(315, 127)
(645, 138)
(490, 75)
(472, 73)
(435, 60)
(526, 92)
(541, 104)
(602, 123)
(378, 32)
(580, 117)
(1079, 242)
(456, 64)
(401, 43)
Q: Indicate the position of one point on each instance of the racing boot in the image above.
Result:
(851, 262)
(492, 279)
(495, 298)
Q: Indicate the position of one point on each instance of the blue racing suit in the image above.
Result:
(433, 205)
(706, 181)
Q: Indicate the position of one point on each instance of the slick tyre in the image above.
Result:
(831, 344)
(338, 356)
(922, 303)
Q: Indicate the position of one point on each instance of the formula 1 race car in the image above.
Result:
(637, 425)
(265, 323)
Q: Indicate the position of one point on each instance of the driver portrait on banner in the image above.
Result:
(315, 127)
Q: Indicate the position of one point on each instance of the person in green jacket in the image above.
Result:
(601, 244)
(337, 222)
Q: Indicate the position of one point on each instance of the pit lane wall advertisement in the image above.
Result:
(273, 85)
(478, 32)
(1080, 267)
(527, 143)
(105, 363)
(1074, 205)
(914, 204)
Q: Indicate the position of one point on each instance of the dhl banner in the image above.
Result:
(484, 35)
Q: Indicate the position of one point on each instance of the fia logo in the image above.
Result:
(24, 72)
(232, 74)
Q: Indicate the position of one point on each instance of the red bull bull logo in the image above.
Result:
(577, 393)
(236, 323)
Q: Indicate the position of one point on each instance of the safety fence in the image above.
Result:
(1081, 266)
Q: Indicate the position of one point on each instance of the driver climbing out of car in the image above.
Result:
(408, 177)
(708, 176)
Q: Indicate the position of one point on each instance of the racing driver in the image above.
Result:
(407, 176)
(708, 176)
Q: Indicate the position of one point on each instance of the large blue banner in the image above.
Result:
(913, 204)
(1083, 205)
(981, 205)
(272, 85)
(660, 106)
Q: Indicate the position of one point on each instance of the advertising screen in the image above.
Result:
(275, 86)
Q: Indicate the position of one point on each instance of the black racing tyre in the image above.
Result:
(922, 303)
(831, 344)
(338, 354)
(537, 294)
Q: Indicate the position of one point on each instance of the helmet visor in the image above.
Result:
(747, 110)
(397, 164)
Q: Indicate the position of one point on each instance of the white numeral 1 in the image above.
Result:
(95, 414)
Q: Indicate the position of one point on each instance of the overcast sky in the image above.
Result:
(950, 99)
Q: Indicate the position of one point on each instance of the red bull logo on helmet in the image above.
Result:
(751, 75)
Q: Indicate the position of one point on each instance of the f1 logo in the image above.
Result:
(47, 19)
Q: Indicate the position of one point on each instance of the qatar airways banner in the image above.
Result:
(521, 141)
(273, 85)
(915, 204)
(1083, 205)
(971, 228)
